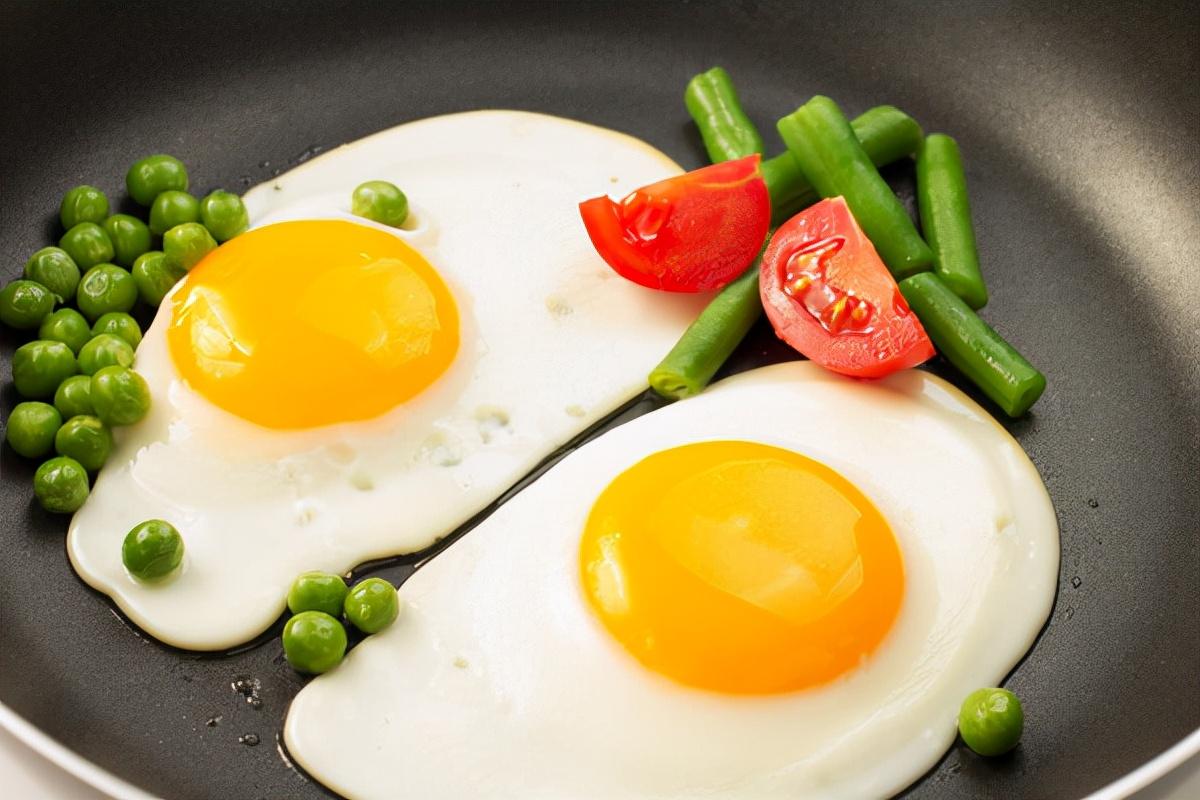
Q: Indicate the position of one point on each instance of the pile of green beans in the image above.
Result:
(886, 134)
(826, 157)
(76, 377)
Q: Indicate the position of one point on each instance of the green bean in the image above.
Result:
(946, 218)
(886, 134)
(713, 103)
(708, 341)
(972, 346)
(834, 161)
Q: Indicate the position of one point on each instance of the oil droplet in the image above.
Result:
(248, 688)
(1077, 581)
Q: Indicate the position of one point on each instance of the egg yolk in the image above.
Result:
(310, 323)
(741, 568)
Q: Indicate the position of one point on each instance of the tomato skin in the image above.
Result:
(828, 294)
(691, 233)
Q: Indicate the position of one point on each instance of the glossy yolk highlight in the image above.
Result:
(310, 323)
(741, 568)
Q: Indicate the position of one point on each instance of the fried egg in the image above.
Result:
(328, 391)
(781, 588)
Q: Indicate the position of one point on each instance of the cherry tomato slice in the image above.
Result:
(691, 233)
(828, 294)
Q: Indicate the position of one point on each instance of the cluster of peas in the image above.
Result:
(75, 377)
(314, 639)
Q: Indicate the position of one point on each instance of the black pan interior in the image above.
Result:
(1078, 124)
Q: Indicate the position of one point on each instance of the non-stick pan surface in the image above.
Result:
(1079, 128)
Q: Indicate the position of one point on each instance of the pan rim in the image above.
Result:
(67, 759)
(102, 780)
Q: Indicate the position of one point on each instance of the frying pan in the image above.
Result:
(1078, 124)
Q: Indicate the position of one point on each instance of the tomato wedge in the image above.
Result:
(828, 294)
(691, 233)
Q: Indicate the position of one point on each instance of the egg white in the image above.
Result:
(498, 681)
(552, 341)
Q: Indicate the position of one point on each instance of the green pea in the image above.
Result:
(130, 238)
(372, 605)
(31, 428)
(73, 397)
(172, 208)
(184, 245)
(103, 351)
(153, 175)
(314, 642)
(224, 214)
(380, 201)
(54, 269)
(61, 485)
(68, 326)
(119, 395)
(317, 591)
(83, 204)
(991, 721)
(154, 276)
(152, 550)
(85, 439)
(118, 323)
(38, 367)
(87, 244)
(24, 304)
(105, 288)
